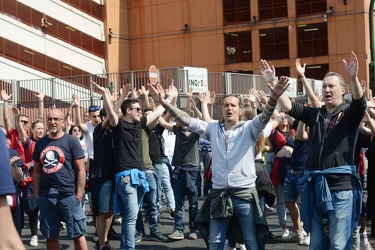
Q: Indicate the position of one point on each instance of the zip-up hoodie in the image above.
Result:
(332, 142)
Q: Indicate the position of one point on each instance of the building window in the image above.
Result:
(312, 40)
(283, 71)
(269, 9)
(310, 7)
(238, 47)
(317, 71)
(236, 11)
(274, 43)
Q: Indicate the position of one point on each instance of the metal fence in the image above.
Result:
(59, 91)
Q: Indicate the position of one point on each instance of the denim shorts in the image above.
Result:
(67, 209)
(294, 185)
(102, 195)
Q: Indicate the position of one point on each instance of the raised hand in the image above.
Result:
(268, 73)
(251, 96)
(76, 99)
(172, 91)
(143, 91)
(352, 68)
(156, 91)
(205, 97)
(5, 96)
(300, 69)
(279, 88)
(40, 96)
(212, 98)
(261, 97)
(16, 111)
(189, 94)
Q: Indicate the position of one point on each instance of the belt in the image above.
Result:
(259, 161)
(295, 172)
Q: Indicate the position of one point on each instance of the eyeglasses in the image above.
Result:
(24, 121)
(138, 109)
(94, 108)
(50, 119)
(76, 130)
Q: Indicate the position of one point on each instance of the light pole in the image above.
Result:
(372, 46)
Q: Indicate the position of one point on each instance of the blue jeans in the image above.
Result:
(294, 185)
(340, 223)
(131, 197)
(158, 168)
(281, 212)
(167, 186)
(151, 211)
(180, 190)
(245, 212)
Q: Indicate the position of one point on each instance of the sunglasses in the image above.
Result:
(50, 119)
(283, 117)
(76, 130)
(94, 108)
(24, 121)
(138, 109)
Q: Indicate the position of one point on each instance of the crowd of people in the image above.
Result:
(139, 147)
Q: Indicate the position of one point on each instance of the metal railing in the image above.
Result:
(59, 91)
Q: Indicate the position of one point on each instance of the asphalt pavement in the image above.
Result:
(166, 228)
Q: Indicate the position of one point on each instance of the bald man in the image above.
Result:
(59, 182)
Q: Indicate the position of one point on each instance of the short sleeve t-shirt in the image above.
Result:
(57, 159)
(127, 138)
(6, 179)
(186, 150)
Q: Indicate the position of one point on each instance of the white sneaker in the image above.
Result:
(365, 245)
(303, 232)
(285, 233)
(293, 237)
(34, 241)
(305, 241)
(242, 247)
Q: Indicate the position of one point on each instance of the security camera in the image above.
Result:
(330, 11)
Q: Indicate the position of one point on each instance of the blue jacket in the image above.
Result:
(319, 194)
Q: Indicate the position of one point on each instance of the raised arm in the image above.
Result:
(309, 91)
(111, 114)
(370, 123)
(144, 92)
(301, 133)
(40, 97)
(269, 76)
(352, 72)
(157, 94)
(79, 123)
(275, 92)
(189, 95)
(7, 124)
(21, 131)
(165, 124)
(197, 112)
(205, 100)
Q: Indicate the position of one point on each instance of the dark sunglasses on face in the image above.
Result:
(94, 108)
(76, 130)
(24, 121)
(283, 117)
(138, 109)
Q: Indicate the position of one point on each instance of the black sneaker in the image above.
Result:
(158, 237)
(138, 237)
(108, 246)
(112, 235)
(96, 246)
(172, 214)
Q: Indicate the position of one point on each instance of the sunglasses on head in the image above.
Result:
(94, 108)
